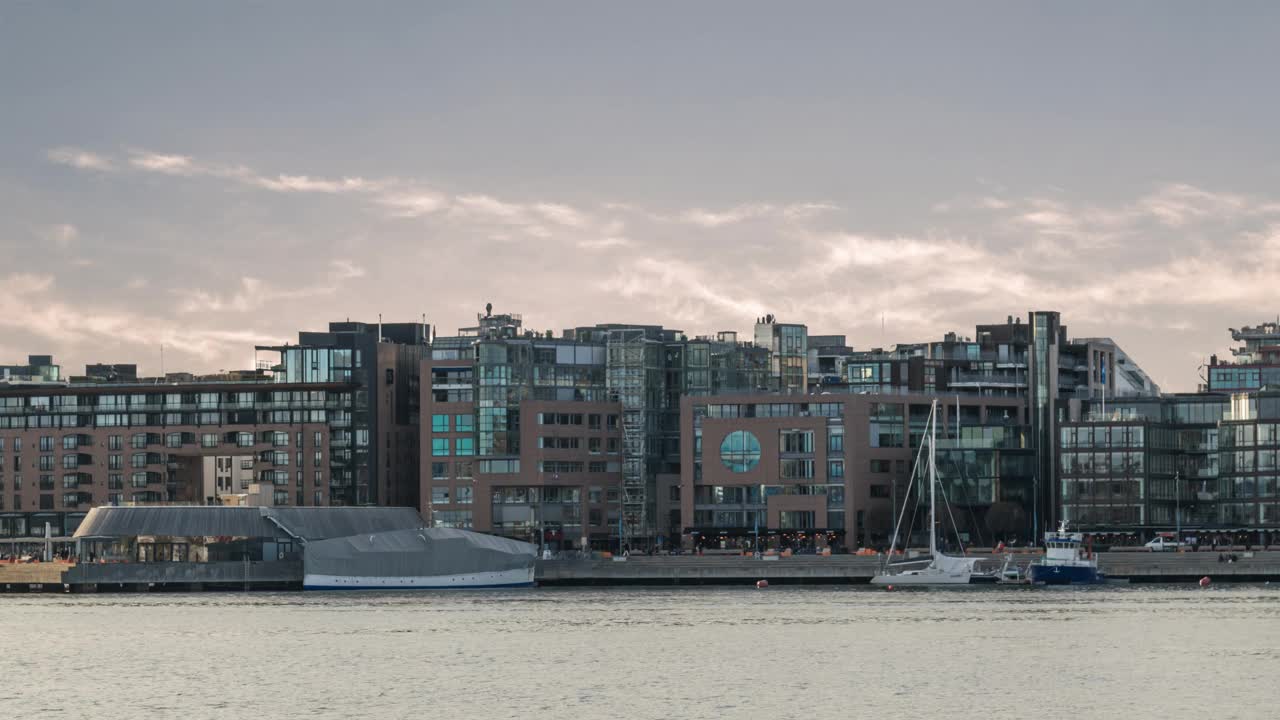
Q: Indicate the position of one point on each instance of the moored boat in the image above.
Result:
(1066, 561)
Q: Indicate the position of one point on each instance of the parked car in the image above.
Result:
(1161, 544)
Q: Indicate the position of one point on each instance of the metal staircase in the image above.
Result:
(628, 370)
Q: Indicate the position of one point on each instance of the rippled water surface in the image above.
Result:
(1131, 652)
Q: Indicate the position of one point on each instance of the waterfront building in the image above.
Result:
(375, 450)
(834, 466)
(571, 439)
(67, 447)
(1254, 364)
(39, 369)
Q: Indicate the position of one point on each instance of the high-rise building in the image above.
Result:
(376, 442)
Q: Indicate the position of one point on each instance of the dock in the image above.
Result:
(1135, 567)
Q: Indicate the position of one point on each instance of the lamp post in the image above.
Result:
(1177, 506)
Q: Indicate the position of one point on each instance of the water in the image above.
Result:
(1122, 652)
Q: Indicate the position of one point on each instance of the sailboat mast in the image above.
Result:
(933, 439)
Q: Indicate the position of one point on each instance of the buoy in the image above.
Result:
(762, 584)
(888, 587)
(1204, 581)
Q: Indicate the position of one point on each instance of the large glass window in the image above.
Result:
(464, 423)
(740, 451)
(439, 423)
(439, 446)
(465, 446)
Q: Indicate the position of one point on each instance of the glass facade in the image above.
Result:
(740, 451)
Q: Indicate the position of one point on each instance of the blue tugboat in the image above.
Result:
(1066, 561)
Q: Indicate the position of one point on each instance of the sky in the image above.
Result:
(211, 176)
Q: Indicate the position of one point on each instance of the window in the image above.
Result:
(880, 466)
(280, 439)
(595, 517)
(465, 494)
(46, 443)
(439, 495)
(464, 423)
(138, 441)
(464, 446)
(835, 440)
(138, 460)
(115, 462)
(462, 469)
(740, 451)
(880, 491)
(795, 469)
(244, 439)
(796, 441)
(612, 422)
(835, 469)
(439, 446)
(46, 462)
(593, 422)
(440, 423)
(115, 442)
(317, 438)
(209, 440)
(173, 440)
(439, 471)
(593, 445)
(70, 442)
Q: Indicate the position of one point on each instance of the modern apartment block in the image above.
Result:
(65, 448)
(574, 436)
(39, 369)
(1199, 461)
(1255, 363)
(791, 468)
(376, 440)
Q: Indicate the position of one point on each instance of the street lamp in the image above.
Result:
(1177, 506)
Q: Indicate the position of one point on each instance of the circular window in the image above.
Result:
(740, 451)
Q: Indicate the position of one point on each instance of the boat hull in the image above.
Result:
(924, 578)
(519, 577)
(1064, 574)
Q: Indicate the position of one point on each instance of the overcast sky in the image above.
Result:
(213, 175)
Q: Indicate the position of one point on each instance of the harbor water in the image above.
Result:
(785, 652)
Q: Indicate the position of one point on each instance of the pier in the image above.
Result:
(1135, 567)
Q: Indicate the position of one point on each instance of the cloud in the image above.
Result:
(303, 183)
(345, 270)
(80, 159)
(751, 211)
(412, 205)
(167, 164)
(254, 293)
(1126, 266)
(28, 306)
(604, 243)
(62, 235)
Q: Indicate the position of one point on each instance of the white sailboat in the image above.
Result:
(940, 569)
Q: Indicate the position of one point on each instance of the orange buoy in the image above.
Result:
(1204, 581)
(762, 584)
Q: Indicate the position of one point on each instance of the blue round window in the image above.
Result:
(740, 451)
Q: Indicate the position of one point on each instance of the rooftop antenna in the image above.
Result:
(379, 327)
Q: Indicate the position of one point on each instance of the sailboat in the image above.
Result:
(940, 569)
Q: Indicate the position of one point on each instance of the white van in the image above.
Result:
(1161, 544)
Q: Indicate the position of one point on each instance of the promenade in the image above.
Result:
(1135, 567)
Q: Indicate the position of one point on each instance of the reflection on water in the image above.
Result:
(1116, 651)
